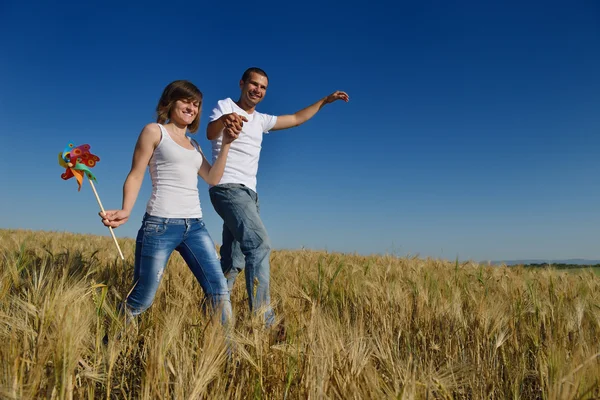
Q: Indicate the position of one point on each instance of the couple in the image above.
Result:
(173, 219)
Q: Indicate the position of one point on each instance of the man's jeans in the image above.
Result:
(244, 236)
(156, 240)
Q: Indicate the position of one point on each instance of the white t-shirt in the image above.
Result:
(242, 161)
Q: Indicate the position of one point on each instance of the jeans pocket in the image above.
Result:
(154, 228)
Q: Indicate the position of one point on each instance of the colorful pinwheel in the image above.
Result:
(78, 161)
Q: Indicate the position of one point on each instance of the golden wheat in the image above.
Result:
(357, 328)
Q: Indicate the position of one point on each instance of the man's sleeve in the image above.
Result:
(218, 111)
(269, 122)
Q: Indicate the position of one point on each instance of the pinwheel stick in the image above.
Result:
(109, 228)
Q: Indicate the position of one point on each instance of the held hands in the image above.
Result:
(232, 126)
(337, 95)
(114, 218)
(229, 137)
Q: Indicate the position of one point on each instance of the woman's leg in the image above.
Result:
(198, 251)
(155, 242)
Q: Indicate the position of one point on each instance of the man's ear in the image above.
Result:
(241, 83)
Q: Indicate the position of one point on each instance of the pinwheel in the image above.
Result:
(78, 161)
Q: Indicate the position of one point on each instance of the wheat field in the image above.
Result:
(377, 327)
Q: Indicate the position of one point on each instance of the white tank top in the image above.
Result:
(174, 173)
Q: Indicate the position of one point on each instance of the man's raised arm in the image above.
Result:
(300, 117)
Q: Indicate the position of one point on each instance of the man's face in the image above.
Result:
(254, 88)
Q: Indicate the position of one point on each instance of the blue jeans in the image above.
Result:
(156, 240)
(244, 236)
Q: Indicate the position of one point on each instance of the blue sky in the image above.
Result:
(472, 128)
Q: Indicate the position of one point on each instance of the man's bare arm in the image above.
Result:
(300, 117)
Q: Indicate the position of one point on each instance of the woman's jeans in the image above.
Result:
(156, 240)
(245, 244)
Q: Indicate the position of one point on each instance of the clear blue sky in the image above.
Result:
(473, 129)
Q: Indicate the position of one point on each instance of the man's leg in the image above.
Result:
(237, 205)
(263, 275)
(232, 259)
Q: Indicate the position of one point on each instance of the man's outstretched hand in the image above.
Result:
(337, 95)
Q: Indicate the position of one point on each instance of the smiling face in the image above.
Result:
(181, 103)
(184, 112)
(254, 89)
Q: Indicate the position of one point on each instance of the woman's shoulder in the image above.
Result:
(151, 132)
(152, 127)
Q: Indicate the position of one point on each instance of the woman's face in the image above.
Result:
(185, 111)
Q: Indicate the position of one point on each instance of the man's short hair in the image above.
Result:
(255, 70)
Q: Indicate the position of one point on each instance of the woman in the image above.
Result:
(173, 219)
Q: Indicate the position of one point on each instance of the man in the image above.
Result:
(235, 198)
